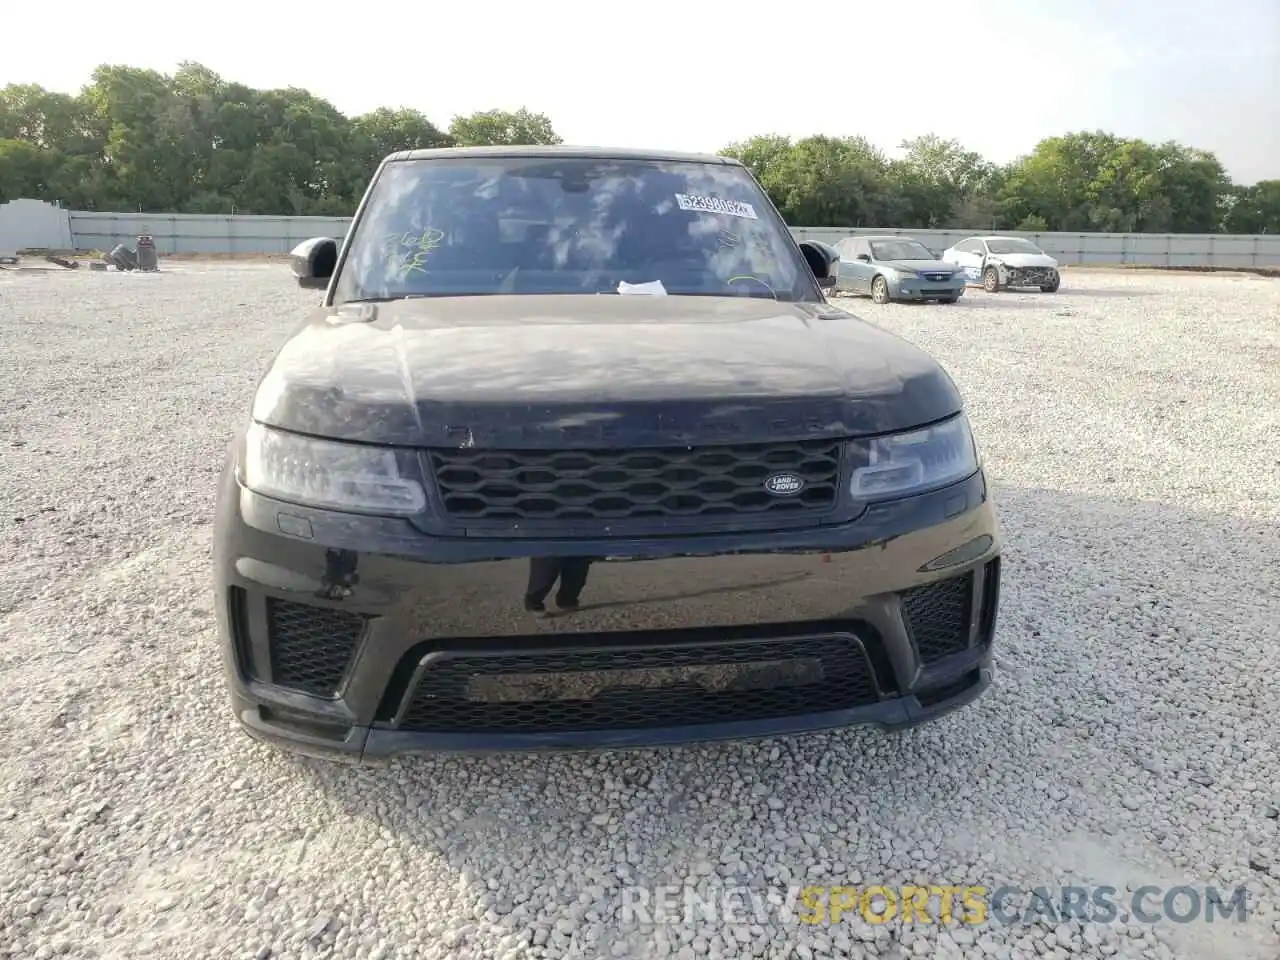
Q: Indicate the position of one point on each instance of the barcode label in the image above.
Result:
(731, 208)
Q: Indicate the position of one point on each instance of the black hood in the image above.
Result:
(550, 371)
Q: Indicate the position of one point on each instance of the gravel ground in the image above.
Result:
(1132, 426)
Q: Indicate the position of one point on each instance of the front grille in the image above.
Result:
(936, 277)
(311, 647)
(502, 487)
(937, 616)
(627, 686)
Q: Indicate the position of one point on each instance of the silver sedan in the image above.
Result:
(896, 268)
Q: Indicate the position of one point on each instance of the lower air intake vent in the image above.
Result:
(623, 687)
(311, 647)
(937, 616)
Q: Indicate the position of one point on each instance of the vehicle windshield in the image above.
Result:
(900, 250)
(539, 225)
(1012, 245)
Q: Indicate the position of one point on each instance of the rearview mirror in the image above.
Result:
(863, 257)
(313, 262)
(823, 260)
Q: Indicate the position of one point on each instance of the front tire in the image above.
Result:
(880, 290)
(991, 280)
(1051, 287)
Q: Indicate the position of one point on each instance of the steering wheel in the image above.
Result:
(747, 278)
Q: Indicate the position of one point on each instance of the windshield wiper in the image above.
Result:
(422, 296)
(781, 297)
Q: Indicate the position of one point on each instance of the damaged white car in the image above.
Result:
(1001, 262)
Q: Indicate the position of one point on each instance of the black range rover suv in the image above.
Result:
(574, 453)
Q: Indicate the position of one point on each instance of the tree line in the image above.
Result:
(193, 142)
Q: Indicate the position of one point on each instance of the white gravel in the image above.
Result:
(1131, 424)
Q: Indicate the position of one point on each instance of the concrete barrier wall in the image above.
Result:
(28, 224)
(33, 223)
(1153, 249)
(201, 233)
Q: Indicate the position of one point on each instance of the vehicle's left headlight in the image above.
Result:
(328, 474)
(905, 464)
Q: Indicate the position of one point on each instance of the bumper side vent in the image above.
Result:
(311, 647)
(238, 621)
(990, 602)
(937, 616)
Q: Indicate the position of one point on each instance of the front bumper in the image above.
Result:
(369, 640)
(1028, 276)
(926, 289)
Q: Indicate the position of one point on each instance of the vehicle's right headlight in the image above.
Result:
(327, 474)
(905, 464)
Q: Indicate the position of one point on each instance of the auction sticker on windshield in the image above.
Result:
(732, 208)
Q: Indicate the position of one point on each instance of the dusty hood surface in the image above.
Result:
(1025, 259)
(922, 266)
(544, 371)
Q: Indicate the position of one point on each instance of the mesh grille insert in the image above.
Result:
(659, 483)
(937, 616)
(637, 687)
(311, 647)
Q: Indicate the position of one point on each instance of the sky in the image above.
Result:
(997, 75)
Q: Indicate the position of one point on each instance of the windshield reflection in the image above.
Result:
(1012, 246)
(902, 250)
(475, 226)
(545, 572)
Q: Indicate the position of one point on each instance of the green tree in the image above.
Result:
(140, 140)
(981, 212)
(503, 127)
(1053, 181)
(1097, 181)
(761, 155)
(1254, 209)
(149, 142)
(381, 132)
(24, 170)
(830, 181)
(135, 139)
(935, 179)
(46, 119)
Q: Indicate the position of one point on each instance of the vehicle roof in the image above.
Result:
(561, 150)
(884, 236)
(994, 236)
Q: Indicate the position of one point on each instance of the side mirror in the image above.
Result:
(823, 260)
(863, 258)
(313, 262)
